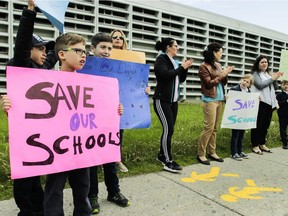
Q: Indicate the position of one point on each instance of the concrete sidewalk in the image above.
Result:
(255, 186)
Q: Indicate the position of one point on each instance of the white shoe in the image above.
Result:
(236, 157)
(122, 167)
(264, 148)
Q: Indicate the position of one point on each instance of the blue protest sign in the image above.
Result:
(133, 79)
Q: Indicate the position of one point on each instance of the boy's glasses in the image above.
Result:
(120, 37)
(78, 51)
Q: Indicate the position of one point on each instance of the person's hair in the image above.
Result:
(249, 77)
(255, 67)
(284, 82)
(125, 45)
(208, 53)
(162, 45)
(66, 40)
(100, 37)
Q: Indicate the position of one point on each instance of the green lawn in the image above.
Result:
(141, 146)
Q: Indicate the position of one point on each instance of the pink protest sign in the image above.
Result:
(61, 121)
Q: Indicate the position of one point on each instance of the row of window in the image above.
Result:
(143, 27)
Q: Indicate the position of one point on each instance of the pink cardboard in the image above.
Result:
(61, 121)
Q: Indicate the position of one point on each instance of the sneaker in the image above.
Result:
(172, 167)
(94, 205)
(243, 155)
(236, 157)
(122, 167)
(119, 199)
(161, 159)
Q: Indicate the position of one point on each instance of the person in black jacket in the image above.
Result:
(165, 99)
(282, 99)
(29, 51)
(238, 135)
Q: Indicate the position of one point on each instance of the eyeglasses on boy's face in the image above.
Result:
(120, 37)
(78, 51)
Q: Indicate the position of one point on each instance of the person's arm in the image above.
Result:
(163, 72)
(224, 73)
(186, 65)
(23, 42)
(207, 78)
(261, 84)
(281, 99)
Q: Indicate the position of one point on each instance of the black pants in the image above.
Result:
(283, 123)
(258, 134)
(29, 196)
(237, 141)
(110, 178)
(80, 184)
(167, 114)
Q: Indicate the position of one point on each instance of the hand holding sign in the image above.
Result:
(5, 103)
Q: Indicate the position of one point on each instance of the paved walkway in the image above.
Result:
(255, 186)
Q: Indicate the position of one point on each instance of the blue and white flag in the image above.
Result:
(54, 11)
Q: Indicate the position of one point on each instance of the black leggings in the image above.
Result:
(167, 114)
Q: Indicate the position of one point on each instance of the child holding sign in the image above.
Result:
(70, 49)
(30, 51)
(101, 46)
(238, 135)
(282, 112)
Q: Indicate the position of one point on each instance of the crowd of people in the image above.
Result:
(33, 52)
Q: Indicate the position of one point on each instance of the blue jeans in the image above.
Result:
(237, 141)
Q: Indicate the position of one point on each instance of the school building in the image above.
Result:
(146, 21)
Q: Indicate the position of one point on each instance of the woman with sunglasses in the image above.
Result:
(119, 39)
(119, 42)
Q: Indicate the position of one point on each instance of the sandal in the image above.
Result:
(257, 150)
(265, 149)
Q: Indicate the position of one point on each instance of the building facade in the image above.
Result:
(145, 22)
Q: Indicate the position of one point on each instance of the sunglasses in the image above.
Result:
(120, 37)
(78, 51)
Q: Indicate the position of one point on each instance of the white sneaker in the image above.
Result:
(122, 167)
(236, 157)
(243, 155)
